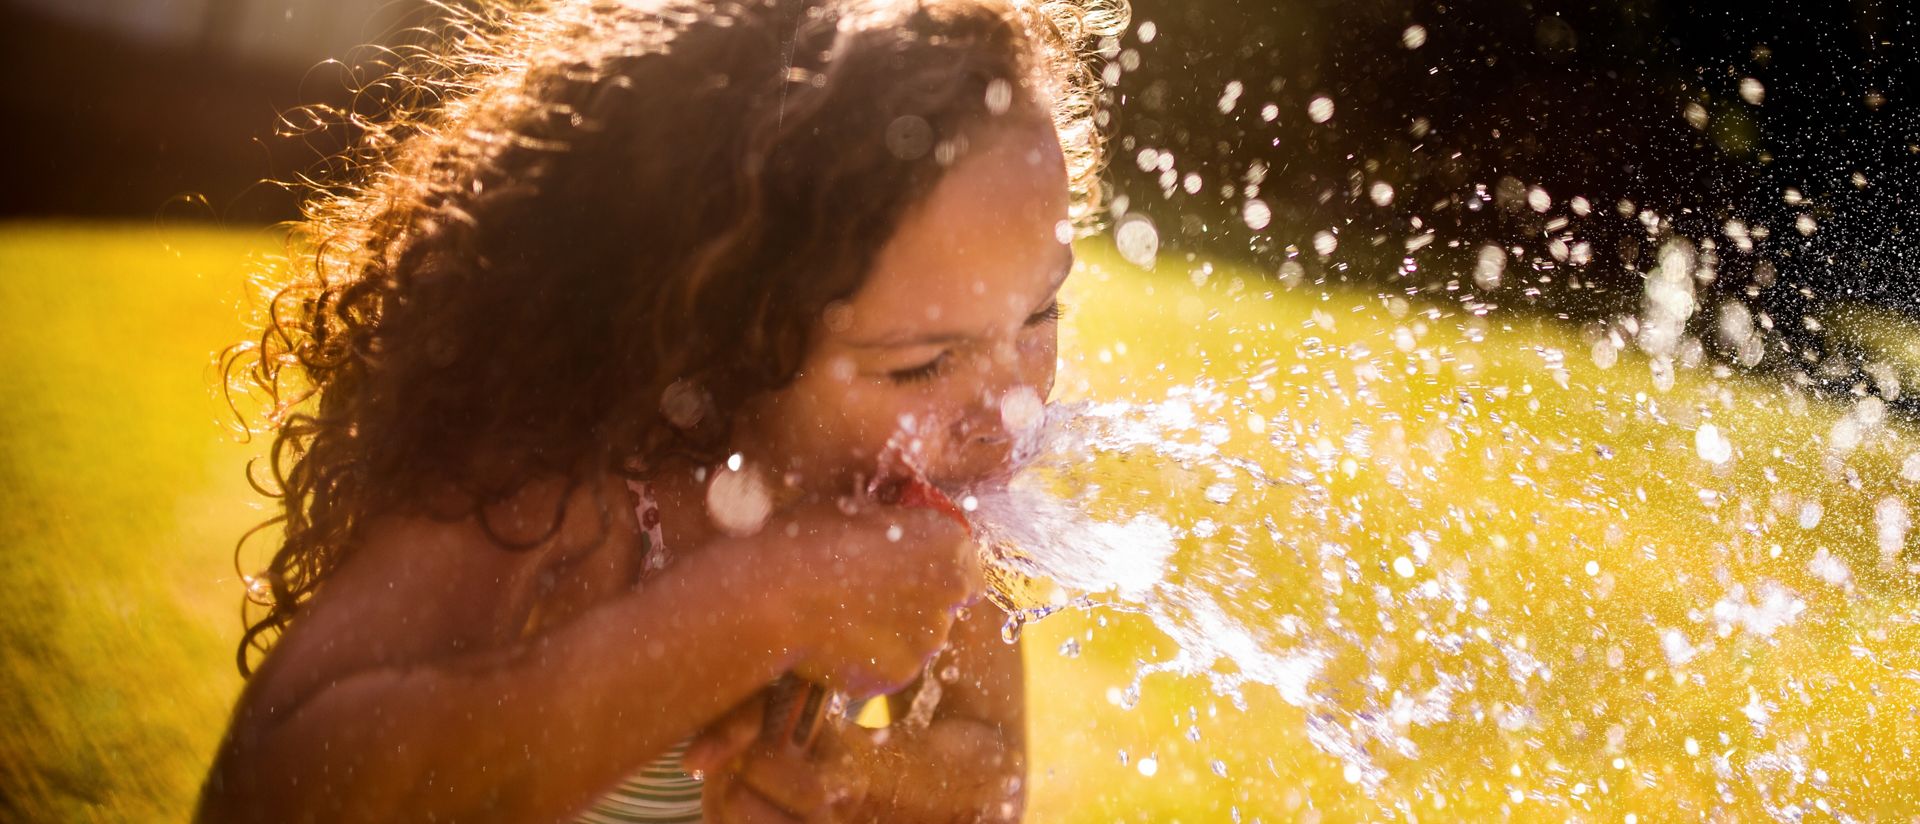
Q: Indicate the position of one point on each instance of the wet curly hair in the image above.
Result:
(568, 211)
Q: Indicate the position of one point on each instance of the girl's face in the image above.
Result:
(954, 334)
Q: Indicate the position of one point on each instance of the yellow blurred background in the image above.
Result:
(1601, 621)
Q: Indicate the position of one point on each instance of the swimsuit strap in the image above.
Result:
(646, 513)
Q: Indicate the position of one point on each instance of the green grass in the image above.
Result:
(124, 494)
(117, 608)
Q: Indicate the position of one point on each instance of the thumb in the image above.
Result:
(727, 737)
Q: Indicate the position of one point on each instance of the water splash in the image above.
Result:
(1446, 569)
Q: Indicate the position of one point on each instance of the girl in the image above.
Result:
(577, 396)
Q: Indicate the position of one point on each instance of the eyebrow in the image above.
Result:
(901, 340)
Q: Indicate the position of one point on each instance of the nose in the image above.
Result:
(986, 437)
(979, 427)
(1005, 407)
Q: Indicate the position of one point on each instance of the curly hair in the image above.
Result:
(570, 212)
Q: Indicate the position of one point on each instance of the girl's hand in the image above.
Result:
(755, 778)
(967, 764)
(871, 596)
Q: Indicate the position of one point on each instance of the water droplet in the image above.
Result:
(909, 137)
(1713, 447)
(1230, 98)
(1538, 199)
(1010, 631)
(1891, 522)
(1381, 193)
(1414, 37)
(999, 95)
(1324, 242)
(1661, 370)
(1605, 354)
(1910, 468)
(684, 404)
(1022, 411)
(1752, 91)
(1320, 109)
(1845, 435)
(1810, 513)
(1403, 566)
(1148, 766)
(1488, 267)
(1256, 213)
(738, 501)
(1291, 273)
(1829, 568)
(1696, 115)
(1137, 240)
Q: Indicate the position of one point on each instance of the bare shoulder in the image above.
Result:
(417, 588)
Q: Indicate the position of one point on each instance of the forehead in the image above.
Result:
(980, 250)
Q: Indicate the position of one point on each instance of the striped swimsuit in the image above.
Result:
(661, 792)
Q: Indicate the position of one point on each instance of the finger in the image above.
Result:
(743, 805)
(727, 737)
(784, 776)
(725, 800)
(896, 661)
(713, 797)
(838, 761)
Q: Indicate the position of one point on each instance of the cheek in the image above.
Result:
(1040, 360)
(841, 426)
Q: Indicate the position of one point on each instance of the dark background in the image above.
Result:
(136, 110)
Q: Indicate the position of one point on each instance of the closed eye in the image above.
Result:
(923, 372)
(1048, 315)
(932, 369)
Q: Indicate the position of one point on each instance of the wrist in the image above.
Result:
(779, 594)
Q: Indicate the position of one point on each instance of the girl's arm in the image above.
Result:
(390, 700)
(530, 732)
